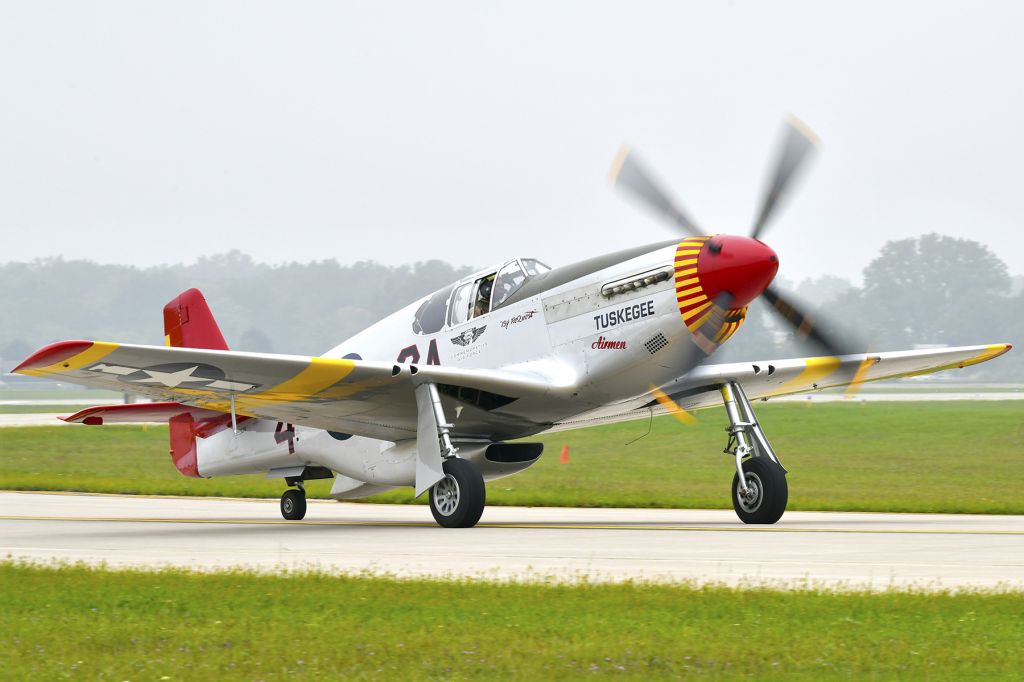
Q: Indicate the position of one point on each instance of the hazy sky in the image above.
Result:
(141, 132)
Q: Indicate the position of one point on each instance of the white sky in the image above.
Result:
(153, 132)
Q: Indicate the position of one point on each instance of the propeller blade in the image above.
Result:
(797, 145)
(803, 324)
(708, 330)
(860, 375)
(629, 173)
(673, 407)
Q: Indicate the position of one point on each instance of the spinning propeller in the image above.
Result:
(738, 269)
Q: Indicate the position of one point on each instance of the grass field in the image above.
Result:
(961, 457)
(95, 624)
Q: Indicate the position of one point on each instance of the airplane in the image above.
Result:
(440, 395)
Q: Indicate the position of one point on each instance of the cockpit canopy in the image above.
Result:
(475, 296)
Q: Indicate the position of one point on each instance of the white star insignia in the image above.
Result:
(169, 379)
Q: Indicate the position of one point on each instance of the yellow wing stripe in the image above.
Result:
(319, 375)
(814, 370)
(860, 376)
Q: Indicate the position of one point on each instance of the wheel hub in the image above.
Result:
(446, 495)
(750, 500)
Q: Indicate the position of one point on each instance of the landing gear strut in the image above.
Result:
(458, 499)
(759, 489)
(293, 502)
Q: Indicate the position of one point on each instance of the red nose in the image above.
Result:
(740, 266)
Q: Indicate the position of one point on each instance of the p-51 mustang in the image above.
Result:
(430, 396)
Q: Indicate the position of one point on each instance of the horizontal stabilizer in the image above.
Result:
(138, 413)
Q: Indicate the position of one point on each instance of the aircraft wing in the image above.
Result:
(767, 378)
(764, 379)
(374, 399)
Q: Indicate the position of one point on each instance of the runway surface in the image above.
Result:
(823, 549)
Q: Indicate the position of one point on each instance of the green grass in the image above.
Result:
(97, 624)
(958, 457)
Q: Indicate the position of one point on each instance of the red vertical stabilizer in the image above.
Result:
(188, 323)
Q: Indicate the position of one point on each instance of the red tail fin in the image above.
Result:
(188, 323)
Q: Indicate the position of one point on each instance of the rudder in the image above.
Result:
(188, 323)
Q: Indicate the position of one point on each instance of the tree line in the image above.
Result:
(929, 290)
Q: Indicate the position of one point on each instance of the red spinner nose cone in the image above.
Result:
(740, 266)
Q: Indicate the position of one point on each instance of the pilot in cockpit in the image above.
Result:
(483, 298)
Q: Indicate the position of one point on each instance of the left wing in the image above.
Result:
(765, 379)
(373, 399)
(768, 378)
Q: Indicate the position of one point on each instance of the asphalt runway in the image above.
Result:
(844, 550)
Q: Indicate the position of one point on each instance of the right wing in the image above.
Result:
(373, 399)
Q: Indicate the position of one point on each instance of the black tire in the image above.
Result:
(458, 499)
(293, 505)
(772, 492)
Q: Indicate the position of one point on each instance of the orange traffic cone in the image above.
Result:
(564, 457)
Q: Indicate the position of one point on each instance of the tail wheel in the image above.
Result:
(293, 505)
(458, 499)
(767, 492)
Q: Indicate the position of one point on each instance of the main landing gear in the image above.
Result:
(458, 499)
(759, 489)
(293, 502)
